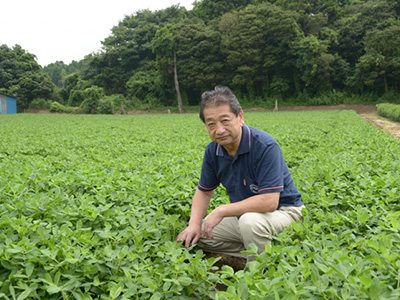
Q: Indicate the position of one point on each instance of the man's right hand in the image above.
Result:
(190, 234)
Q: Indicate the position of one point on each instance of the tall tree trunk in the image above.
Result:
(385, 83)
(178, 93)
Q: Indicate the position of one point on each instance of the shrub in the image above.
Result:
(92, 96)
(73, 110)
(390, 97)
(112, 103)
(57, 107)
(105, 106)
(390, 111)
(40, 103)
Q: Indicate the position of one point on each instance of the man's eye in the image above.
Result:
(210, 124)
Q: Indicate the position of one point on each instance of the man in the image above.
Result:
(249, 164)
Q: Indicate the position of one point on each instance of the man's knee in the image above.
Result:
(251, 224)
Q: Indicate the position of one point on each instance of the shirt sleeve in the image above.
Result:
(269, 169)
(208, 179)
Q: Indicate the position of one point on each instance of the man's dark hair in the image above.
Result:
(219, 95)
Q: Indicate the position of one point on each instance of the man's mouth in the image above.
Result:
(223, 137)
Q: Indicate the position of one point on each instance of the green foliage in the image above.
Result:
(59, 70)
(21, 75)
(346, 246)
(390, 111)
(208, 10)
(379, 66)
(276, 49)
(40, 103)
(82, 218)
(142, 86)
(57, 107)
(91, 97)
(105, 106)
(118, 102)
(315, 64)
(91, 206)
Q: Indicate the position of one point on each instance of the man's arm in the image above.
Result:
(200, 204)
(258, 203)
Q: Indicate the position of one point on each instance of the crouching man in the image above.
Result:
(249, 164)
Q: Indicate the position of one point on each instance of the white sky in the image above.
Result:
(70, 29)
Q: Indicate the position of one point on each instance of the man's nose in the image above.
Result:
(220, 128)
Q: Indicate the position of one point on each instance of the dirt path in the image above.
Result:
(393, 128)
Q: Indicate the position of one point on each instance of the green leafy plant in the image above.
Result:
(390, 111)
(90, 206)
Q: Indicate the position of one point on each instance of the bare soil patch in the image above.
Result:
(363, 108)
(393, 128)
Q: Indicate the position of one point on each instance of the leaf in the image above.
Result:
(14, 250)
(227, 270)
(24, 294)
(366, 281)
(253, 250)
(52, 288)
(115, 291)
(29, 267)
(322, 267)
(12, 291)
(156, 296)
(184, 280)
(57, 278)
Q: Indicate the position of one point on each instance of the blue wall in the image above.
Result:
(11, 105)
(8, 104)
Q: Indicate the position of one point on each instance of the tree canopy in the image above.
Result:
(290, 50)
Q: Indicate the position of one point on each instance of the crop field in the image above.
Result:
(90, 207)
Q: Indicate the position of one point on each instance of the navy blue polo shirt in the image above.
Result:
(257, 168)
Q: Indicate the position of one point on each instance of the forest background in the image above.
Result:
(321, 52)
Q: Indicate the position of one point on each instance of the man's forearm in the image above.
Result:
(200, 204)
(259, 203)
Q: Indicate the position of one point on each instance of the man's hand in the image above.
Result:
(212, 220)
(190, 234)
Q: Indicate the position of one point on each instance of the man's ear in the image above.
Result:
(241, 117)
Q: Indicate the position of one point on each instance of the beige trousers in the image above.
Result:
(233, 235)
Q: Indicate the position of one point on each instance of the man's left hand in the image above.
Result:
(210, 221)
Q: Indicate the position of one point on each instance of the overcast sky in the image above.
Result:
(70, 29)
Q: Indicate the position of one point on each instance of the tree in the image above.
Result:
(257, 43)
(315, 64)
(352, 27)
(200, 61)
(143, 86)
(128, 49)
(213, 9)
(380, 65)
(59, 70)
(72, 91)
(91, 95)
(22, 76)
(164, 45)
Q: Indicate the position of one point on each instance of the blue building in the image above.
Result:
(8, 104)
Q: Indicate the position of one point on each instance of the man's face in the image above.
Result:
(223, 126)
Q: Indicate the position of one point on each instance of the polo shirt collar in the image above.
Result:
(245, 143)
